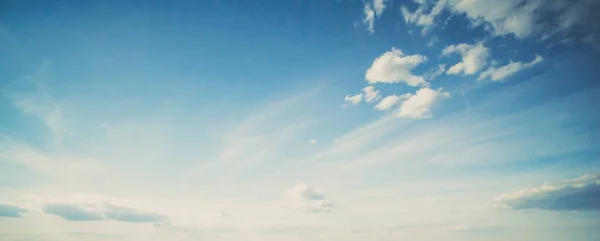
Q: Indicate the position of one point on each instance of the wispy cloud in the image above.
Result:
(500, 73)
(578, 194)
(9, 210)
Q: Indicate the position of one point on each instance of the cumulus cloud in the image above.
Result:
(72, 212)
(371, 10)
(497, 74)
(395, 67)
(371, 94)
(422, 19)
(353, 100)
(419, 105)
(307, 198)
(579, 194)
(474, 58)
(390, 101)
(127, 214)
(12, 211)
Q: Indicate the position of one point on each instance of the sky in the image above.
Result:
(343, 120)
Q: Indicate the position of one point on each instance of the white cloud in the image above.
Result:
(371, 10)
(379, 6)
(474, 58)
(497, 74)
(422, 19)
(419, 105)
(395, 67)
(307, 198)
(390, 101)
(354, 99)
(371, 94)
(582, 193)
(313, 141)
(369, 18)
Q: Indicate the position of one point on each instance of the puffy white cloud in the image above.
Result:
(371, 94)
(579, 194)
(474, 58)
(422, 19)
(390, 101)
(371, 10)
(353, 100)
(497, 74)
(307, 198)
(395, 67)
(419, 105)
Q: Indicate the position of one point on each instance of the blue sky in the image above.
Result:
(299, 120)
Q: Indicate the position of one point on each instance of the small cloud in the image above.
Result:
(474, 58)
(72, 212)
(371, 94)
(497, 74)
(313, 141)
(395, 67)
(371, 10)
(127, 214)
(353, 100)
(11, 211)
(579, 194)
(307, 198)
(419, 105)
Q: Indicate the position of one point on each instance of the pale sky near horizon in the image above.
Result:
(337, 120)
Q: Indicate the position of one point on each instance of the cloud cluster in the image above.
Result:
(579, 194)
(395, 67)
(89, 212)
(540, 19)
(307, 198)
